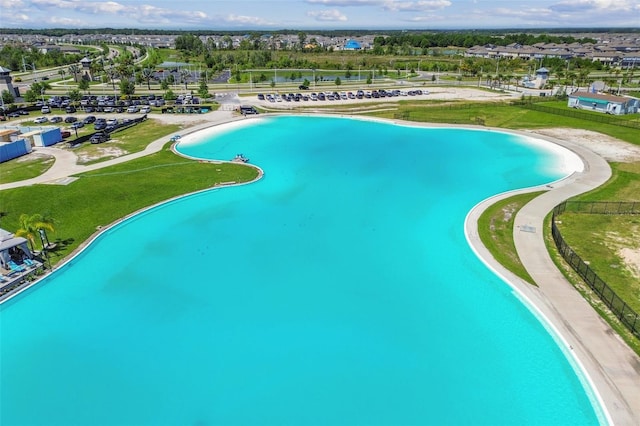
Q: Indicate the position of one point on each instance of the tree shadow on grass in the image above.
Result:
(58, 248)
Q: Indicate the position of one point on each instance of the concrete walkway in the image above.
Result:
(610, 365)
(65, 164)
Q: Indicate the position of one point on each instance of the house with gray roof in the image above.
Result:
(600, 102)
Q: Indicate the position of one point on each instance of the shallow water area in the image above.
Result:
(338, 289)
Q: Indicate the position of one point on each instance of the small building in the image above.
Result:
(86, 69)
(5, 82)
(12, 248)
(352, 45)
(609, 104)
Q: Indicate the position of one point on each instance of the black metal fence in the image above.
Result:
(582, 115)
(600, 207)
(620, 309)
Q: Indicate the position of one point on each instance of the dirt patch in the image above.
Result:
(101, 152)
(609, 148)
(631, 258)
(34, 156)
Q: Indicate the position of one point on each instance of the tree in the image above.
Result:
(147, 74)
(75, 96)
(203, 89)
(184, 75)
(169, 95)
(83, 84)
(127, 87)
(338, 81)
(302, 37)
(75, 70)
(31, 225)
(7, 98)
(30, 96)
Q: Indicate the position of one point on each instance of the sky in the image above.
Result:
(304, 15)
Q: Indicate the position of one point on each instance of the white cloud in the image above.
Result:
(20, 17)
(579, 6)
(246, 20)
(332, 15)
(416, 6)
(347, 3)
(536, 14)
(11, 4)
(67, 22)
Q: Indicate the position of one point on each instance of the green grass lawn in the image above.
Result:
(495, 228)
(101, 197)
(127, 141)
(25, 167)
(601, 240)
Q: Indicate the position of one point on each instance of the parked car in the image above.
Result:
(145, 109)
(112, 122)
(70, 119)
(40, 120)
(56, 119)
(45, 109)
(65, 134)
(99, 137)
(132, 109)
(89, 119)
(70, 109)
(14, 114)
(77, 125)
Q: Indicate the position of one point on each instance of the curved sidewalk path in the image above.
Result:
(611, 366)
(65, 160)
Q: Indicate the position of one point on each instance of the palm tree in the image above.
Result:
(62, 73)
(30, 226)
(184, 74)
(75, 70)
(147, 74)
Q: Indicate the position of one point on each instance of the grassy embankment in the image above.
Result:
(102, 197)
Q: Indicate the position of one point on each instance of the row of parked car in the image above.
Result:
(131, 109)
(336, 96)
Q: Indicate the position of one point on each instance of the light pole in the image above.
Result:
(42, 94)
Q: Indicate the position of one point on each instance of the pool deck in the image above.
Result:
(610, 365)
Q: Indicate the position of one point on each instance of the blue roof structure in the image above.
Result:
(353, 45)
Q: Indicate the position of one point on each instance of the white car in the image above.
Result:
(132, 109)
(145, 109)
(41, 120)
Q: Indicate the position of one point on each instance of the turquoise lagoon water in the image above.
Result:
(337, 290)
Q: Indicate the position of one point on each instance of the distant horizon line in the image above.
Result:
(238, 30)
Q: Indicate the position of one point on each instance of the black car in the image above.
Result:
(89, 119)
(99, 137)
(70, 119)
(70, 109)
(56, 119)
